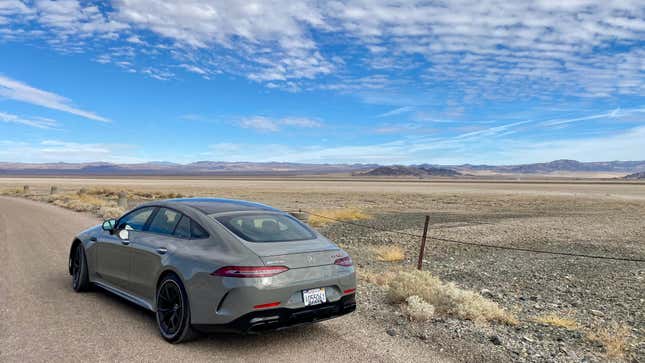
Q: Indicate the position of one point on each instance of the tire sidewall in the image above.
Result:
(82, 282)
(184, 328)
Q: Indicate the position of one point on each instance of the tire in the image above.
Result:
(80, 276)
(173, 311)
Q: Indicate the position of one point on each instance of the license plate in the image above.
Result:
(314, 296)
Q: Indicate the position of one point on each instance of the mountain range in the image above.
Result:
(206, 168)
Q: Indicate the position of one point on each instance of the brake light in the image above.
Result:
(345, 261)
(249, 271)
(348, 291)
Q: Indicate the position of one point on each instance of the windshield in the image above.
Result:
(266, 227)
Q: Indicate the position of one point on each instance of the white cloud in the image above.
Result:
(259, 123)
(56, 150)
(38, 122)
(474, 49)
(266, 124)
(19, 91)
(300, 122)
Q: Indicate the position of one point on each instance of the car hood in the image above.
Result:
(90, 232)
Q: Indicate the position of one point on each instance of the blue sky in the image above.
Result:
(368, 81)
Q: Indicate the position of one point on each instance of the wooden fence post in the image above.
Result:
(423, 244)
(53, 189)
(123, 200)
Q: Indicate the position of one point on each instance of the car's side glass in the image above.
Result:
(196, 231)
(183, 228)
(164, 221)
(135, 220)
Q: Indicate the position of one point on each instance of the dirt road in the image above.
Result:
(42, 319)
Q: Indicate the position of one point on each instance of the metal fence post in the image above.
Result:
(423, 244)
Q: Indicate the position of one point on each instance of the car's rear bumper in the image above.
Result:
(280, 318)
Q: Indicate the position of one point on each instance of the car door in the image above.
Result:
(149, 248)
(114, 254)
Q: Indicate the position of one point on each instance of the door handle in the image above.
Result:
(93, 239)
(162, 250)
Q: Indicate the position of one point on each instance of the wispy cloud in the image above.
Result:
(266, 124)
(38, 122)
(397, 111)
(19, 91)
(57, 150)
(621, 145)
(614, 114)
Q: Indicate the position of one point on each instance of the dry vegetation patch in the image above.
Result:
(323, 217)
(557, 321)
(389, 253)
(613, 338)
(447, 298)
(376, 278)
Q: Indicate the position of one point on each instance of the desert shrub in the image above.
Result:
(612, 337)
(347, 214)
(447, 298)
(78, 202)
(389, 253)
(110, 212)
(557, 321)
(418, 309)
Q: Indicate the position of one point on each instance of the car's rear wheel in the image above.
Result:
(173, 311)
(80, 276)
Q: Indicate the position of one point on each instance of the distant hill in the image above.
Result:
(637, 176)
(206, 168)
(199, 168)
(401, 170)
(560, 166)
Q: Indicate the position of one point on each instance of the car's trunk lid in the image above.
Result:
(296, 254)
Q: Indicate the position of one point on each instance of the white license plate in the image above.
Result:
(314, 296)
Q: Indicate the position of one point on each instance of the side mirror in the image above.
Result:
(109, 224)
(124, 234)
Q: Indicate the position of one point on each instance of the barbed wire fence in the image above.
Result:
(474, 244)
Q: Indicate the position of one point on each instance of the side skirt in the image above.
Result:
(139, 301)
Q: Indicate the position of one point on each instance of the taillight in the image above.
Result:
(249, 271)
(345, 261)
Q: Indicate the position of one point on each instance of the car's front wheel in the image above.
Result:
(173, 311)
(80, 276)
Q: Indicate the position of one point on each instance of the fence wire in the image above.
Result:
(475, 244)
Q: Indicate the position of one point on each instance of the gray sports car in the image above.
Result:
(205, 264)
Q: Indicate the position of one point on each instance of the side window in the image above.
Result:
(183, 228)
(164, 221)
(135, 220)
(196, 231)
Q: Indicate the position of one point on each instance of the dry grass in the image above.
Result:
(447, 298)
(557, 321)
(328, 216)
(613, 338)
(380, 279)
(389, 253)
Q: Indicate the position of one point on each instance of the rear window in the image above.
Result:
(266, 227)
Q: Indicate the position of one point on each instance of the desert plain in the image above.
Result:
(562, 308)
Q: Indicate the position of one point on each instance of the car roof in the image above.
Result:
(217, 205)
